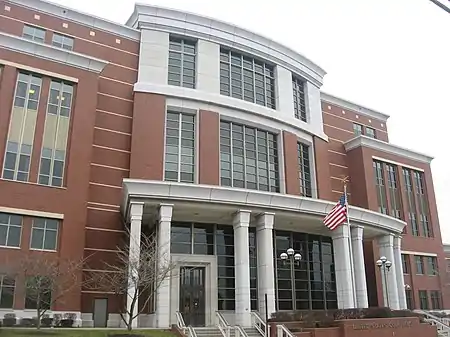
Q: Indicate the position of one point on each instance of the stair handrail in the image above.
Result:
(259, 324)
(430, 315)
(283, 331)
(180, 322)
(223, 325)
(191, 331)
(439, 325)
(239, 331)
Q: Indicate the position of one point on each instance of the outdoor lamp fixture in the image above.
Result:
(407, 287)
(385, 265)
(293, 258)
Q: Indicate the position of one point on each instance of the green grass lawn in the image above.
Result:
(79, 332)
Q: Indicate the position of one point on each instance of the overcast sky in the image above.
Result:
(389, 55)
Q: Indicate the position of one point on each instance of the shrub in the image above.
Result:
(46, 321)
(68, 320)
(9, 320)
(57, 320)
(28, 322)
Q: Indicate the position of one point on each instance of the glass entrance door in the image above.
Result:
(192, 295)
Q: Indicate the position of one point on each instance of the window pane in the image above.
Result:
(37, 238)
(50, 240)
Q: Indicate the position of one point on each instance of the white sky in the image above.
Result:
(392, 56)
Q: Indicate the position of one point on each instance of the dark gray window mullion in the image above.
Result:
(268, 165)
(231, 151)
(244, 145)
(308, 271)
(322, 272)
(180, 127)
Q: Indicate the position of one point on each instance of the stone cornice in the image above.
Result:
(85, 19)
(136, 189)
(379, 145)
(206, 28)
(51, 53)
(343, 103)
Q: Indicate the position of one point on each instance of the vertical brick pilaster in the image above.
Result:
(7, 85)
(147, 142)
(322, 168)
(209, 148)
(291, 167)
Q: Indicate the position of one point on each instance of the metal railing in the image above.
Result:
(443, 320)
(191, 332)
(282, 331)
(180, 322)
(259, 324)
(442, 329)
(223, 325)
(239, 332)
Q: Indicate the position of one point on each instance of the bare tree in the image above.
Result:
(48, 279)
(135, 276)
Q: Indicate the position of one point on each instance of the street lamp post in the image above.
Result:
(385, 265)
(293, 258)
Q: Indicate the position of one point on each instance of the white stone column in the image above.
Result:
(208, 66)
(266, 277)
(163, 292)
(241, 268)
(153, 57)
(343, 268)
(359, 269)
(398, 265)
(386, 244)
(283, 92)
(136, 210)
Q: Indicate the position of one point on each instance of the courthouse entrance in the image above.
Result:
(192, 295)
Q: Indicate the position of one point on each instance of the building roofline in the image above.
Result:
(376, 144)
(77, 16)
(145, 15)
(346, 104)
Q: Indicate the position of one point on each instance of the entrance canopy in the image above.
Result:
(216, 204)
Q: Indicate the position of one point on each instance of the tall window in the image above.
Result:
(419, 265)
(246, 78)
(253, 268)
(357, 129)
(405, 263)
(44, 234)
(305, 170)
(422, 202)
(7, 287)
(370, 132)
(182, 62)
(436, 300)
(314, 284)
(33, 33)
(380, 187)
(432, 268)
(298, 86)
(179, 159)
(423, 298)
(409, 299)
(394, 193)
(62, 41)
(56, 133)
(10, 230)
(22, 127)
(407, 176)
(248, 157)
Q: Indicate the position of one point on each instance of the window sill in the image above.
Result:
(43, 250)
(9, 247)
(31, 183)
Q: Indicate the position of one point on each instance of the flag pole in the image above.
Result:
(352, 267)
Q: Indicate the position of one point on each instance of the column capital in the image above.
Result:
(341, 232)
(242, 218)
(265, 221)
(357, 232)
(386, 240)
(165, 212)
(397, 242)
(136, 211)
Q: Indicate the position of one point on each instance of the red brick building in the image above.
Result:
(202, 131)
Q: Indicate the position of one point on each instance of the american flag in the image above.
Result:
(338, 215)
